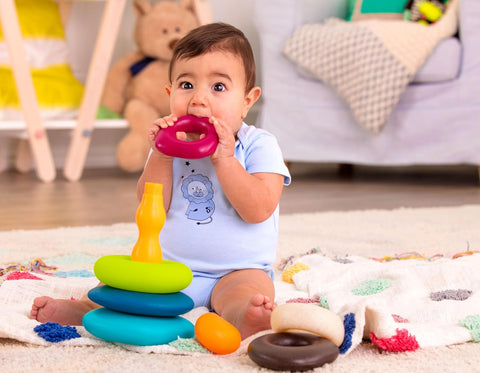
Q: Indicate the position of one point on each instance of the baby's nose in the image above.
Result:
(199, 97)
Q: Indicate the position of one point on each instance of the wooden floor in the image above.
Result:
(104, 197)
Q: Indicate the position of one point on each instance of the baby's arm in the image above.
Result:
(159, 166)
(254, 196)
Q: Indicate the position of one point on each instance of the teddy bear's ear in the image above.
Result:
(188, 5)
(141, 7)
(200, 8)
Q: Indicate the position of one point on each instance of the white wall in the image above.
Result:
(81, 36)
(86, 17)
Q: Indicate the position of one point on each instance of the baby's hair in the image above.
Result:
(216, 37)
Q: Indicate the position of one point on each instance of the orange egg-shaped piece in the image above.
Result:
(217, 334)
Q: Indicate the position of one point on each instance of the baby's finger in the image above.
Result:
(218, 127)
(171, 120)
(165, 122)
(213, 120)
(161, 122)
(152, 131)
(182, 136)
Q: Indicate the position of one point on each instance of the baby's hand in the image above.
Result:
(226, 140)
(157, 125)
(160, 123)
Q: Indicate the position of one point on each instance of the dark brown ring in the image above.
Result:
(292, 351)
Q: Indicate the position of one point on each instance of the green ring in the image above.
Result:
(121, 272)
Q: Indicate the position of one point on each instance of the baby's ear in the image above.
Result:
(168, 89)
(253, 96)
(255, 93)
(250, 98)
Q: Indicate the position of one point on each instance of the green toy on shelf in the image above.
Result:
(425, 12)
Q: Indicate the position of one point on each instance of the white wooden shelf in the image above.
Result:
(18, 128)
(36, 148)
(61, 124)
(33, 129)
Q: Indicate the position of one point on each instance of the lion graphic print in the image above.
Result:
(197, 189)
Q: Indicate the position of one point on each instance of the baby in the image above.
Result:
(222, 210)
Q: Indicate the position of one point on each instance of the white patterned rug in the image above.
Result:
(356, 236)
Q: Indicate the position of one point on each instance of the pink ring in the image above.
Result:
(167, 143)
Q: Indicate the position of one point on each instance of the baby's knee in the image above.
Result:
(245, 281)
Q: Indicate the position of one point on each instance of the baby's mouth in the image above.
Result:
(199, 115)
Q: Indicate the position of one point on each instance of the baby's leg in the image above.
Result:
(62, 311)
(245, 299)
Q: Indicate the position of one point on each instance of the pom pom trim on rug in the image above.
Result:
(400, 342)
(54, 332)
(349, 325)
(22, 276)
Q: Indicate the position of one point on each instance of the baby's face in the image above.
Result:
(212, 84)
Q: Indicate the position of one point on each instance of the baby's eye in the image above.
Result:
(186, 85)
(219, 87)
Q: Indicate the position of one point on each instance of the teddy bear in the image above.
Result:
(135, 85)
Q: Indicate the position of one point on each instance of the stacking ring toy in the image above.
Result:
(148, 304)
(292, 351)
(309, 318)
(136, 330)
(167, 142)
(141, 297)
(119, 271)
(217, 334)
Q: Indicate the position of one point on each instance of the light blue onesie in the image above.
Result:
(203, 230)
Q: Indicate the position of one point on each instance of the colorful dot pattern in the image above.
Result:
(188, 344)
(459, 294)
(292, 270)
(472, 323)
(324, 302)
(374, 286)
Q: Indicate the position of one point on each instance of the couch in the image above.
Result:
(436, 121)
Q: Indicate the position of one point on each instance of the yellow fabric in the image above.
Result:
(38, 19)
(55, 86)
(293, 269)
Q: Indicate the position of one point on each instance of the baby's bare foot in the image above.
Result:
(62, 311)
(256, 316)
